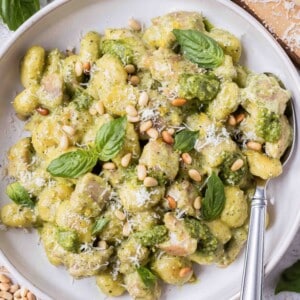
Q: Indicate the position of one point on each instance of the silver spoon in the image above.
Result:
(253, 275)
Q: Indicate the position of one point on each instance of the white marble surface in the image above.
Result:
(291, 255)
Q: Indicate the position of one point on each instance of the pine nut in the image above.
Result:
(102, 245)
(30, 296)
(131, 111)
(254, 146)
(145, 126)
(120, 215)
(17, 293)
(150, 182)
(239, 118)
(237, 165)
(231, 120)
(152, 133)
(126, 229)
(143, 99)
(141, 172)
(14, 288)
(100, 108)
(23, 291)
(132, 119)
(172, 202)
(184, 272)
(130, 69)
(69, 130)
(4, 286)
(86, 67)
(109, 166)
(167, 137)
(43, 111)
(6, 295)
(187, 159)
(4, 279)
(92, 111)
(178, 102)
(125, 161)
(78, 69)
(195, 175)
(134, 80)
(171, 131)
(197, 203)
(64, 142)
(134, 24)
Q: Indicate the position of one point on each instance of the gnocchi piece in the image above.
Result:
(109, 285)
(90, 47)
(27, 101)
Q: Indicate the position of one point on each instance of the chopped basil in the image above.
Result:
(148, 278)
(185, 140)
(99, 225)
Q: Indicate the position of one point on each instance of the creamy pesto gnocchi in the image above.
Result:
(143, 150)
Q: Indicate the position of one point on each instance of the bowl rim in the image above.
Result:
(37, 17)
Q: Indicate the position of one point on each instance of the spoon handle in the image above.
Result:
(252, 282)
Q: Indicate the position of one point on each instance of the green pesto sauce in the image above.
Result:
(268, 126)
(152, 237)
(82, 99)
(68, 240)
(205, 87)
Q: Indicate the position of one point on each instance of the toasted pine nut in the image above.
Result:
(178, 102)
(131, 111)
(143, 99)
(30, 296)
(145, 126)
(134, 24)
(43, 111)
(171, 131)
(120, 215)
(6, 295)
(231, 120)
(78, 68)
(13, 288)
(17, 293)
(100, 108)
(109, 166)
(150, 182)
(134, 80)
(167, 137)
(130, 69)
(195, 175)
(254, 146)
(185, 272)
(187, 159)
(153, 133)
(237, 165)
(125, 161)
(68, 129)
(239, 118)
(23, 291)
(86, 67)
(132, 119)
(102, 245)
(172, 202)
(4, 278)
(126, 229)
(64, 142)
(197, 203)
(141, 172)
(92, 111)
(4, 286)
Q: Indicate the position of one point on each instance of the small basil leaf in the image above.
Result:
(110, 138)
(148, 278)
(185, 140)
(68, 239)
(73, 164)
(199, 48)
(214, 200)
(17, 193)
(289, 279)
(99, 225)
(15, 12)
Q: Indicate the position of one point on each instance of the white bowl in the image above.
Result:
(61, 24)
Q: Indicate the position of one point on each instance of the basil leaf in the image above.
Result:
(199, 48)
(15, 12)
(99, 225)
(73, 164)
(289, 279)
(68, 239)
(185, 140)
(17, 193)
(110, 138)
(148, 278)
(214, 200)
